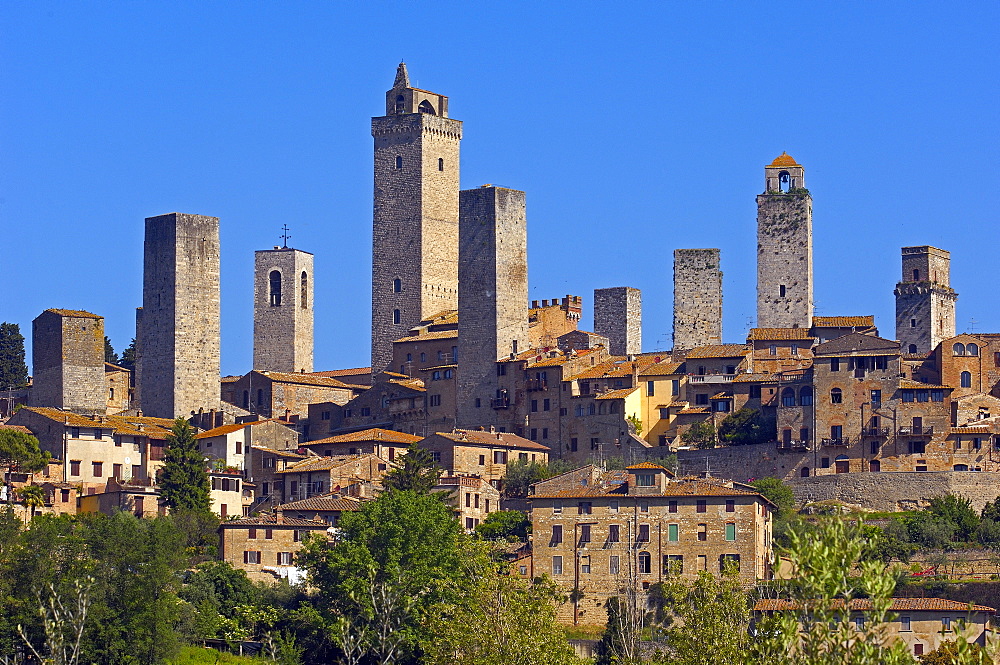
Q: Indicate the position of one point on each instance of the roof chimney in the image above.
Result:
(279, 516)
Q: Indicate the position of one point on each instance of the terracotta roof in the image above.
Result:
(971, 429)
(863, 604)
(412, 384)
(75, 313)
(722, 396)
(235, 427)
(784, 159)
(665, 368)
(776, 334)
(16, 428)
(307, 379)
(156, 428)
(270, 520)
(754, 378)
(843, 321)
(694, 409)
(434, 334)
(375, 434)
(344, 372)
(617, 394)
(909, 384)
(111, 367)
(495, 439)
(646, 465)
(310, 464)
(615, 484)
(330, 501)
(718, 351)
(275, 451)
(230, 379)
(858, 344)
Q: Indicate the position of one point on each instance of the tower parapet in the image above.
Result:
(925, 301)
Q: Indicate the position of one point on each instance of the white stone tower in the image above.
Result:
(697, 298)
(283, 310)
(784, 247)
(415, 230)
(925, 301)
(618, 316)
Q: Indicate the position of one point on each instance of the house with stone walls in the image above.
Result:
(229, 446)
(472, 497)
(384, 443)
(323, 507)
(118, 383)
(265, 545)
(483, 453)
(319, 475)
(285, 394)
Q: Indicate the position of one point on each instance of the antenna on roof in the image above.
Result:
(972, 325)
(708, 468)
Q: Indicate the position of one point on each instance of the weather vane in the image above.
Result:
(284, 236)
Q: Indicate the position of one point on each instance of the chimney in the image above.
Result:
(279, 516)
(492, 429)
(138, 413)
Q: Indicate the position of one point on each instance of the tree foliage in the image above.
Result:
(109, 352)
(510, 525)
(415, 471)
(184, 479)
(956, 511)
(13, 370)
(700, 435)
(744, 427)
(127, 359)
(19, 451)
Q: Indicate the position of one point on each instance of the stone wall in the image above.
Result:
(697, 298)
(283, 325)
(925, 301)
(68, 361)
(618, 316)
(897, 491)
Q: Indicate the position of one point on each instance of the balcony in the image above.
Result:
(500, 402)
(793, 445)
(711, 378)
(876, 431)
(916, 431)
(536, 384)
(841, 441)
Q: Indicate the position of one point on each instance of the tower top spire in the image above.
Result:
(402, 77)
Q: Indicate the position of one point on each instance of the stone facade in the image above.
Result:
(283, 310)
(265, 546)
(618, 316)
(697, 298)
(415, 228)
(178, 347)
(67, 357)
(482, 453)
(784, 247)
(925, 301)
(493, 297)
(550, 320)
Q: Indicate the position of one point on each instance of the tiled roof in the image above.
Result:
(694, 409)
(356, 371)
(718, 351)
(427, 336)
(16, 428)
(330, 501)
(665, 368)
(858, 344)
(501, 439)
(111, 367)
(411, 384)
(909, 384)
(722, 396)
(156, 428)
(375, 434)
(270, 520)
(971, 429)
(310, 464)
(784, 159)
(235, 427)
(754, 378)
(306, 379)
(614, 484)
(646, 465)
(279, 453)
(617, 394)
(897, 605)
(230, 379)
(776, 334)
(75, 313)
(843, 321)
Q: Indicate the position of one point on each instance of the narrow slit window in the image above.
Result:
(304, 295)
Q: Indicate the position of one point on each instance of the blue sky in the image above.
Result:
(634, 128)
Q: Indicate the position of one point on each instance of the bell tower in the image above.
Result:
(415, 221)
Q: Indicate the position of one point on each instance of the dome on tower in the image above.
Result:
(784, 159)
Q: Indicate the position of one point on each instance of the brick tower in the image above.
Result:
(697, 298)
(618, 316)
(67, 358)
(178, 327)
(925, 301)
(784, 247)
(415, 230)
(283, 310)
(493, 298)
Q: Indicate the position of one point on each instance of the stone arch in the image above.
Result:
(806, 396)
(804, 472)
(426, 107)
(788, 397)
(784, 182)
(971, 349)
(400, 104)
(965, 378)
(958, 349)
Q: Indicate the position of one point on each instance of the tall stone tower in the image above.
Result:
(784, 247)
(179, 322)
(493, 298)
(415, 232)
(67, 358)
(618, 316)
(283, 310)
(697, 298)
(925, 301)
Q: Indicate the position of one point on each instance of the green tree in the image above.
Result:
(127, 359)
(512, 525)
(416, 471)
(13, 370)
(700, 435)
(183, 480)
(520, 475)
(19, 451)
(956, 653)
(957, 511)
(636, 424)
(32, 496)
(776, 492)
(744, 427)
(109, 352)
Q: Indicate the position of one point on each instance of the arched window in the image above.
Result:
(645, 563)
(246, 400)
(916, 275)
(397, 285)
(399, 161)
(804, 472)
(440, 163)
(784, 181)
(836, 396)
(912, 348)
(958, 349)
(788, 397)
(425, 107)
(961, 467)
(275, 280)
(304, 296)
(396, 316)
(806, 396)
(400, 104)
(971, 349)
(966, 379)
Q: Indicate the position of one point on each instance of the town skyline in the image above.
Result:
(643, 182)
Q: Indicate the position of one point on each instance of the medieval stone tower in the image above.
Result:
(784, 247)
(67, 358)
(697, 298)
(415, 231)
(283, 310)
(493, 298)
(925, 301)
(618, 316)
(178, 349)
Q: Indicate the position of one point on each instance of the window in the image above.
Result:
(448, 373)
(876, 397)
(436, 456)
(643, 535)
(966, 379)
(806, 396)
(772, 350)
(781, 291)
(701, 400)
(98, 469)
(613, 533)
(557, 565)
(534, 406)
(701, 506)
(972, 349)
(859, 622)
(584, 508)
(945, 624)
(499, 456)
(585, 565)
(937, 395)
(907, 395)
(440, 163)
(730, 531)
(284, 558)
(730, 506)
(545, 433)
(958, 349)
(435, 400)
(645, 563)
(702, 532)
(729, 560)
(613, 506)
(912, 348)
(274, 279)
(904, 624)
(573, 444)
(251, 557)
(673, 564)
(672, 507)
(675, 386)
(788, 397)
(644, 507)
(557, 508)
(366, 411)
(304, 290)
(645, 480)
(98, 434)
(268, 534)
(613, 565)
(650, 388)
(673, 533)
(399, 161)
(836, 432)
(918, 649)
(836, 396)
(585, 533)
(397, 317)
(397, 287)
(755, 391)
(74, 467)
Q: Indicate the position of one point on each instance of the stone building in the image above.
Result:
(483, 453)
(67, 357)
(472, 497)
(283, 310)
(493, 296)
(318, 475)
(118, 386)
(697, 298)
(618, 316)
(285, 394)
(925, 301)
(384, 443)
(178, 328)
(784, 247)
(415, 227)
(265, 545)
(605, 531)
(549, 320)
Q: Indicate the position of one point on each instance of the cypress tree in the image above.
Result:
(13, 370)
(184, 478)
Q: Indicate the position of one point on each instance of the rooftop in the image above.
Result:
(374, 434)
(330, 501)
(719, 351)
(484, 437)
(784, 159)
(843, 321)
(898, 605)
